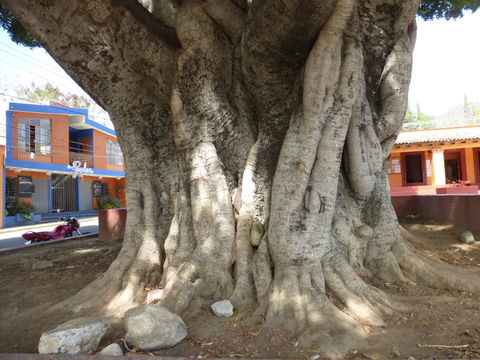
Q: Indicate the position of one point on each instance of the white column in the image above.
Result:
(438, 163)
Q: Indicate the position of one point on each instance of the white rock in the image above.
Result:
(467, 237)
(78, 336)
(154, 295)
(222, 308)
(151, 327)
(112, 350)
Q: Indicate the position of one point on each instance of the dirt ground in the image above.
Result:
(435, 317)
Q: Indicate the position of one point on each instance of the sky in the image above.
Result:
(446, 65)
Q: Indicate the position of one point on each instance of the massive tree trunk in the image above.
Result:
(255, 136)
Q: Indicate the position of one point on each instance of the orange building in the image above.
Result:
(425, 160)
(58, 160)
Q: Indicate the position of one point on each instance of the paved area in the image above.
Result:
(12, 237)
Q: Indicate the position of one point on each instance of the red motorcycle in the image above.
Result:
(60, 232)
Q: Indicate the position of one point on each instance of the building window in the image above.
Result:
(34, 136)
(114, 153)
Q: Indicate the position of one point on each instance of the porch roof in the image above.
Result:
(438, 135)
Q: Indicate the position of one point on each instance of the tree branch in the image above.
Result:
(106, 49)
(228, 15)
(164, 10)
(153, 23)
(276, 41)
(283, 31)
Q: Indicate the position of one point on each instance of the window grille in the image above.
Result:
(114, 153)
(34, 136)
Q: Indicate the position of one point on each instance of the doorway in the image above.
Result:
(64, 193)
(414, 169)
(453, 167)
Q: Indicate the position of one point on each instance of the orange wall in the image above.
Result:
(100, 150)
(33, 174)
(59, 138)
(86, 144)
(470, 163)
(395, 180)
(60, 142)
(116, 188)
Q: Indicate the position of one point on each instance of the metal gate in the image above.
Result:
(40, 196)
(64, 193)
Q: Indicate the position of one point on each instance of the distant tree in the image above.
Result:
(417, 120)
(410, 117)
(50, 93)
(421, 116)
(466, 106)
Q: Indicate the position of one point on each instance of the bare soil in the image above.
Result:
(435, 316)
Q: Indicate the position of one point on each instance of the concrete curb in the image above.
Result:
(36, 226)
(2, 251)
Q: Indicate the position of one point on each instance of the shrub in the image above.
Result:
(108, 202)
(22, 208)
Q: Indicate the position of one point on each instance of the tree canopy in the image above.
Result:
(435, 9)
(17, 32)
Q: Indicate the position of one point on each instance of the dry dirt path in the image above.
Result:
(436, 317)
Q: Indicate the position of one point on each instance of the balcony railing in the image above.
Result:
(56, 157)
(31, 156)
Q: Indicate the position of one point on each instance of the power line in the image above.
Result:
(28, 55)
(51, 71)
(57, 138)
(70, 110)
(28, 71)
(93, 156)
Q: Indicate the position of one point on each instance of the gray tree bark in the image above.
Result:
(255, 136)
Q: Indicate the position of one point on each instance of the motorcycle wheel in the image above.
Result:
(69, 234)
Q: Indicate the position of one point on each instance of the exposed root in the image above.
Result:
(299, 303)
(365, 303)
(262, 270)
(244, 293)
(430, 271)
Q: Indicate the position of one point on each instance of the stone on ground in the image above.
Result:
(222, 308)
(112, 350)
(151, 327)
(77, 336)
(467, 237)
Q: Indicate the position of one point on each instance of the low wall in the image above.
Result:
(461, 210)
(111, 224)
